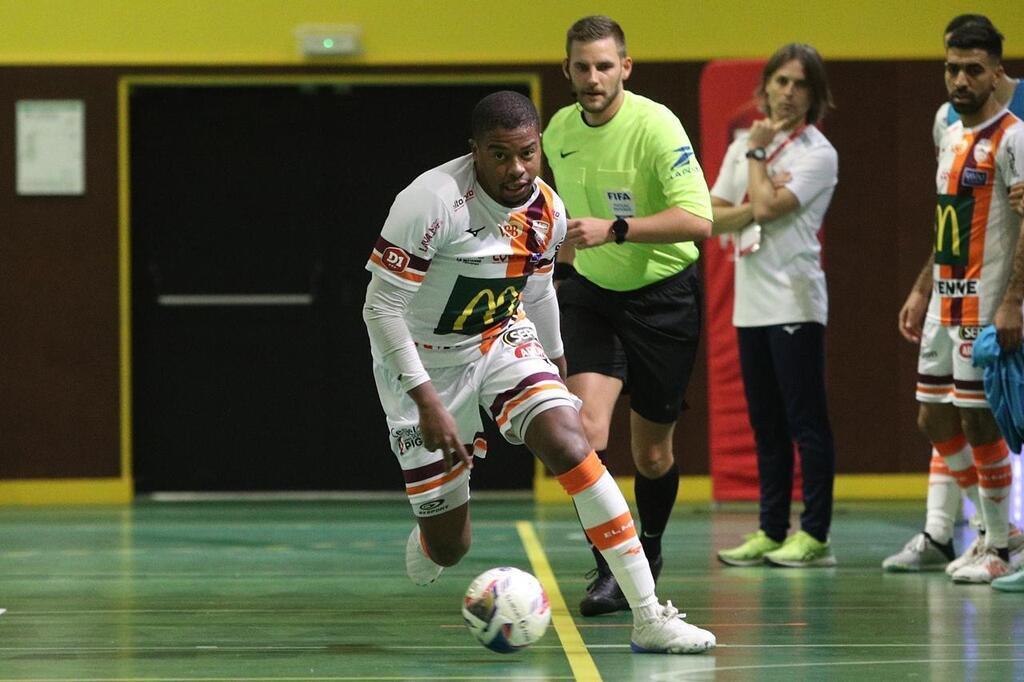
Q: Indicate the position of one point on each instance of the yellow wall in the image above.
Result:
(472, 31)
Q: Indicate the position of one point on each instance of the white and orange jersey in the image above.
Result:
(466, 256)
(976, 231)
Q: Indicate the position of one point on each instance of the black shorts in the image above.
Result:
(646, 337)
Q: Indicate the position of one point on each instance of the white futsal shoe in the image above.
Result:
(973, 551)
(977, 548)
(418, 566)
(668, 633)
(986, 568)
(970, 555)
(922, 553)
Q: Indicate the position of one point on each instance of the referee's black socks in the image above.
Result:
(655, 498)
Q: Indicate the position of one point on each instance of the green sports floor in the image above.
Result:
(306, 590)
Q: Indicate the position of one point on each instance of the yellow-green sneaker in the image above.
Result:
(801, 550)
(751, 552)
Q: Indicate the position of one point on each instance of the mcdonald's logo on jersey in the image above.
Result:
(476, 304)
(946, 221)
(953, 216)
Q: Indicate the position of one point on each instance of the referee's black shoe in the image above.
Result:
(603, 593)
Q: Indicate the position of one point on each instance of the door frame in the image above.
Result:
(122, 489)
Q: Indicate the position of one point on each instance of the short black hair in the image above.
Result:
(814, 72)
(503, 109)
(964, 19)
(595, 27)
(977, 37)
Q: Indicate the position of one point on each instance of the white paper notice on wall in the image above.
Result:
(51, 146)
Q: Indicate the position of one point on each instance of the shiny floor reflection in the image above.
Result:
(317, 591)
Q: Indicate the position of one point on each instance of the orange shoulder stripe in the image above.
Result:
(405, 274)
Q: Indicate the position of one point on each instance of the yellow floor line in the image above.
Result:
(582, 664)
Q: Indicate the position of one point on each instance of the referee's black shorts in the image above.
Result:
(646, 337)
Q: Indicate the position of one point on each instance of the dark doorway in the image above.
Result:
(253, 210)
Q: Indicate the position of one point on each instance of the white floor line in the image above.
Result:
(248, 678)
(685, 674)
(473, 647)
(973, 645)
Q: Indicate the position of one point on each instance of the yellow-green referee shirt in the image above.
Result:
(637, 164)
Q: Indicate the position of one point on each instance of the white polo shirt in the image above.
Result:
(783, 282)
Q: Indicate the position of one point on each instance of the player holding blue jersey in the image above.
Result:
(955, 468)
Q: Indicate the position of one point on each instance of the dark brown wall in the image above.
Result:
(59, 414)
(878, 236)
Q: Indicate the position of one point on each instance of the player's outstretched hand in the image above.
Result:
(1009, 321)
(912, 316)
(586, 232)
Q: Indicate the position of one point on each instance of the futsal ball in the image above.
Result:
(506, 609)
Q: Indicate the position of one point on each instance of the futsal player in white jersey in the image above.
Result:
(461, 314)
(950, 473)
(974, 277)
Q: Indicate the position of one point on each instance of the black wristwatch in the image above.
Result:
(757, 154)
(620, 227)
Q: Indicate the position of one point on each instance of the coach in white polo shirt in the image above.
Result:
(773, 190)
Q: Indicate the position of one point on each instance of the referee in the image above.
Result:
(630, 298)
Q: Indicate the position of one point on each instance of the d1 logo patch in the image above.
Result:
(394, 259)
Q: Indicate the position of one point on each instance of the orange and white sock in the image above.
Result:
(943, 500)
(956, 453)
(995, 477)
(609, 525)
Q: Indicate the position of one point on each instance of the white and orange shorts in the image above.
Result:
(513, 381)
(944, 370)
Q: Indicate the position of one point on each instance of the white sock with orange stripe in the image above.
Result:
(943, 500)
(609, 525)
(957, 454)
(994, 480)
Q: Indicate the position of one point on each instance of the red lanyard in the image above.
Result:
(778, 150)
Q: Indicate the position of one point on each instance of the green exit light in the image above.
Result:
(328, 43)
